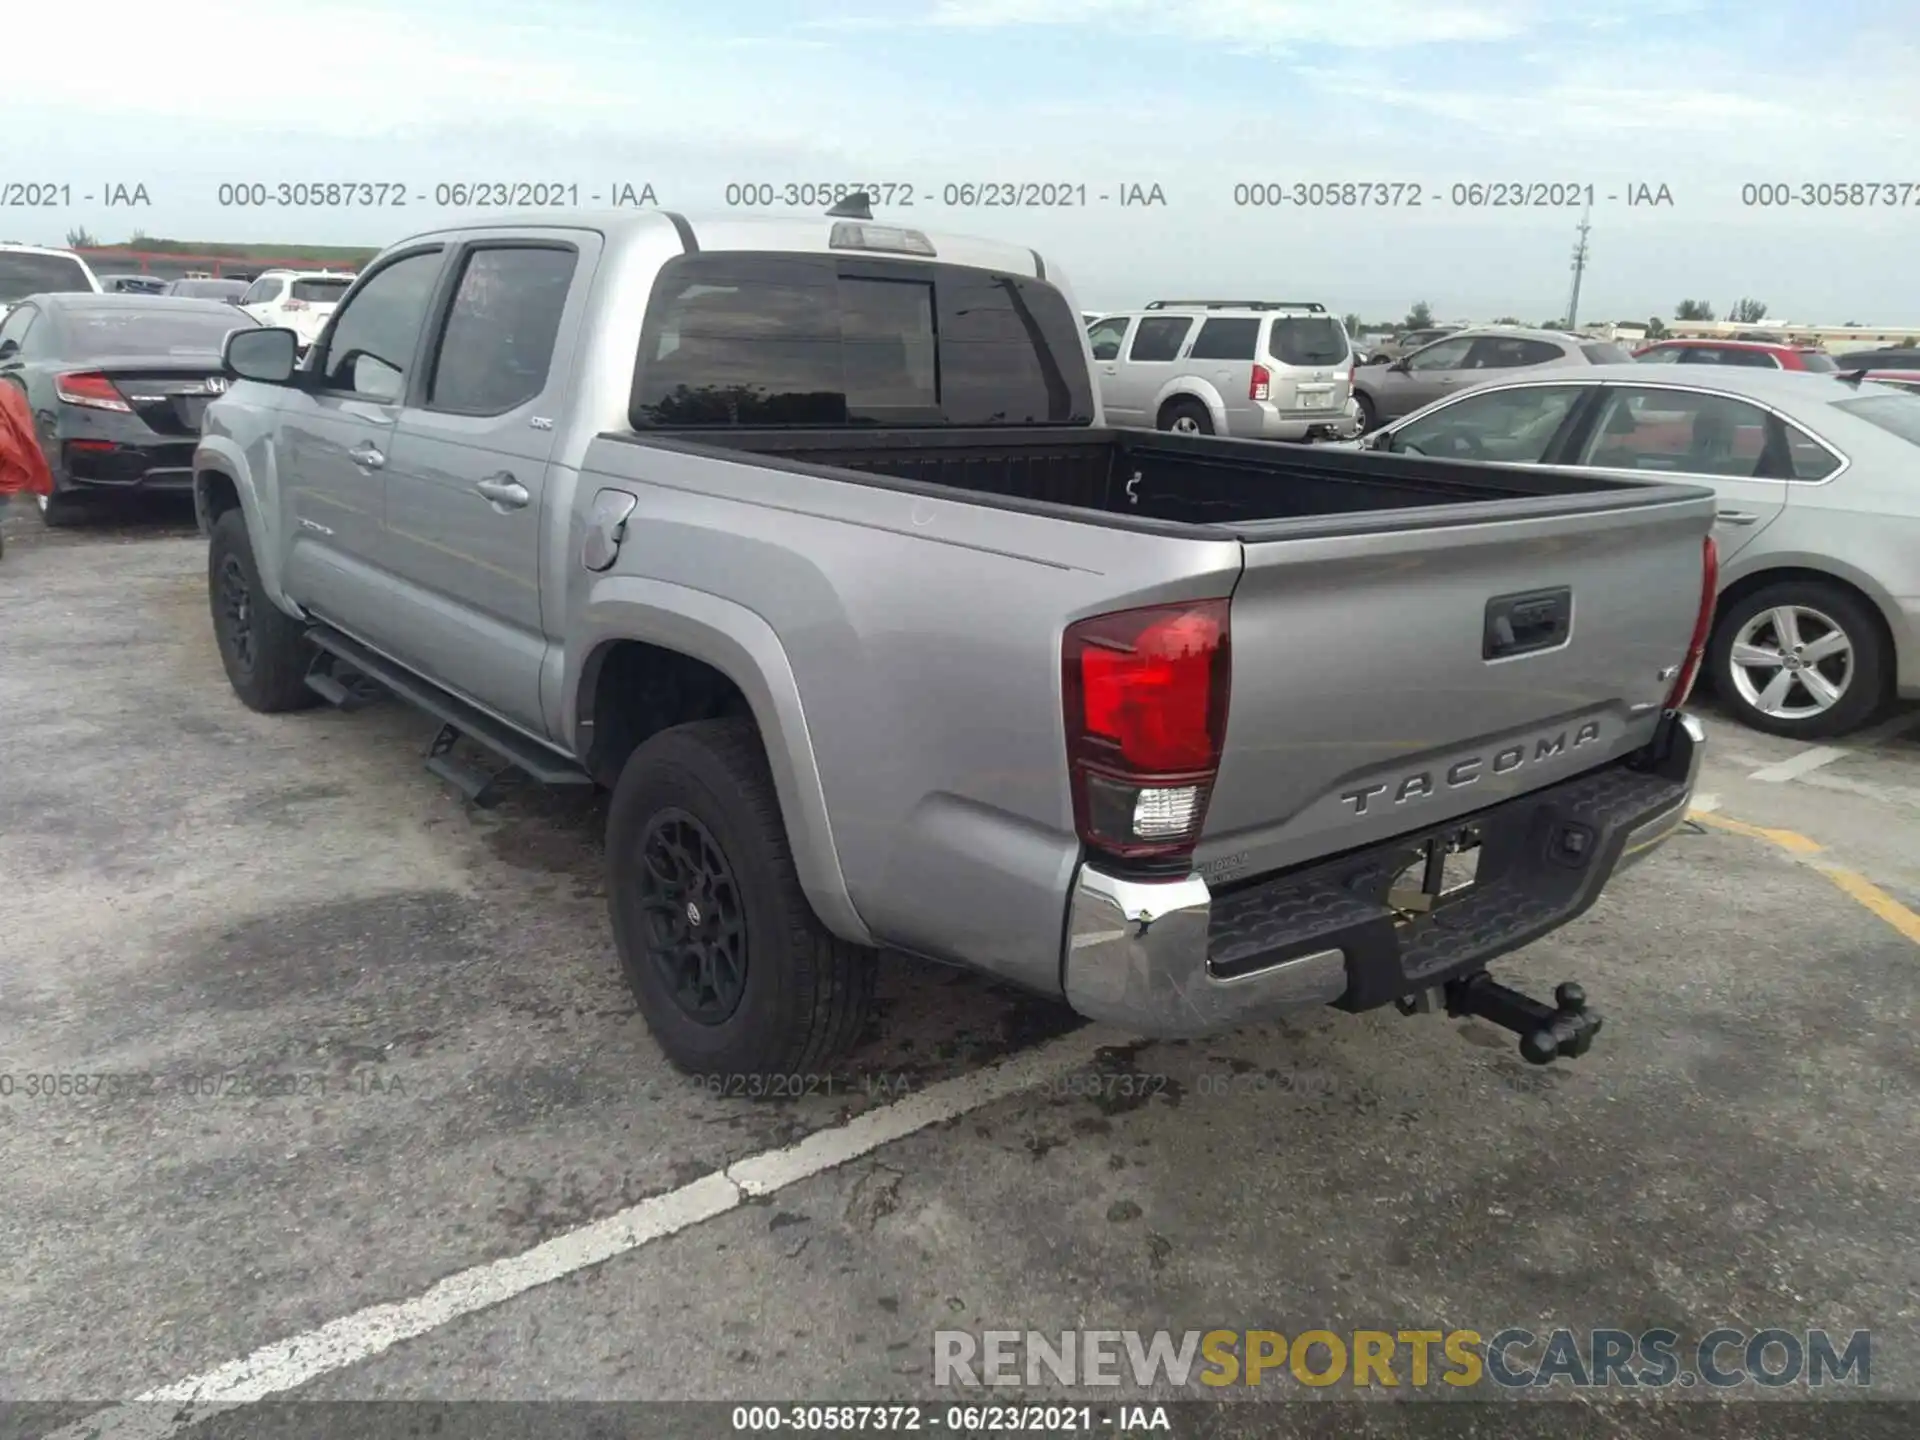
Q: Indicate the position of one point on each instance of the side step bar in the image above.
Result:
(456, 716)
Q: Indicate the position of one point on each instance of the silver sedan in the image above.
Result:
(1818, 476)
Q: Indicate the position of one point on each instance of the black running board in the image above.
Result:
(457, 718)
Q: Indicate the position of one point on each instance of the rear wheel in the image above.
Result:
(1802, 658)
(264, 649)
(1186, 417)
(726, 959)
(1369, 417)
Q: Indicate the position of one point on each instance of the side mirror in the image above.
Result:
(266, 355)
(1403, 366)
(8, 349)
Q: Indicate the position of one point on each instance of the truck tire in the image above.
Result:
(1186, 417)
(265, 653)
(729, 965)
(1810, 626)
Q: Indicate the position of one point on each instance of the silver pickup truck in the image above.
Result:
(805, 538)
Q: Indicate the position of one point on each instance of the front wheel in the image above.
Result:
(1802, 659)
(732, 970)
(263, 649)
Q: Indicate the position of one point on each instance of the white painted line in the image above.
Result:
(1794, 766)
(286, 1364)
(1705, 804)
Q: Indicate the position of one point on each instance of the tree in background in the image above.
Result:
(1747, 311)
(1420, 316)
(1693, 310)
(1656, 328)
(1507, 320)
(1352, 321)
(1907, 344)
(81, 238)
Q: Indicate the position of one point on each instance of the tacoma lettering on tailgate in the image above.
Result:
(1468, 771)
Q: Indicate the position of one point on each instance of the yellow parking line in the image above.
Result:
(1851, 883)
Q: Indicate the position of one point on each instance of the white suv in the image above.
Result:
(40, 270)
(1257, 369)
(300, 300)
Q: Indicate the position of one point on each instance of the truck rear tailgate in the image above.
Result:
(1388, 681)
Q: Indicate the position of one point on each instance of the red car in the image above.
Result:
(1760, 354)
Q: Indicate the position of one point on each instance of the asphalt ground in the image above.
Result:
(340, 1040)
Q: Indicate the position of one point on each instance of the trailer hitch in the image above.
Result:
(1547, 1033)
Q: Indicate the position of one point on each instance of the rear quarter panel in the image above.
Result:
(922, 635)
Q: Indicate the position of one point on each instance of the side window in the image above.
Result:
(1750, 359)
(1106, 336)
(1445, 355)
(261, 291)
(497, 345)
(1660, 355)
(1510, 352)
(14, 330)
(1225, 339)
(1159, 337)
(1807, 458)
(1516, 425)
(1701, 355)
(374, 334)
(1677, 432)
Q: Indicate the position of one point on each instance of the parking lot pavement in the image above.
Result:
(359, 1039)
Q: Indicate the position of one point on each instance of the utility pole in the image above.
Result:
(1579, 266)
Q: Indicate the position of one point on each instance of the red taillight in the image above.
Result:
(1702, 626)
(92, 447)
(1262, 383)
(1146, 712)
(92, 390)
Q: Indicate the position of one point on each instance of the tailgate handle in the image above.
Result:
(1522, 624)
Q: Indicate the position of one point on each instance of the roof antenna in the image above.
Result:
(1852, 377)
(857, 206)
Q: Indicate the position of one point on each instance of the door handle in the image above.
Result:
(1736, 517)
(503, 490)
(367, 455)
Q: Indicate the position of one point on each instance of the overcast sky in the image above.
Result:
(1195, 96)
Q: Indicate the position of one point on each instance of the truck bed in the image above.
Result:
(1242, 489)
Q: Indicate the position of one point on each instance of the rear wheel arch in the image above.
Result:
(694, 667)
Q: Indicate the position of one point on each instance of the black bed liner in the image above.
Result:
(1239, 488)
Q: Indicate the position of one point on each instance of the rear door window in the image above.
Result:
(1819, 362)
(1690, 432)
(1606, 352)
(1510, 352)
(1159, 337)
(263, 290)
(1308, 340)
(781, 340)
(1225, 338)
(497, 344)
